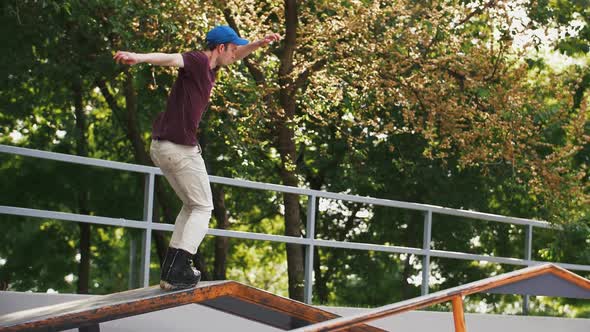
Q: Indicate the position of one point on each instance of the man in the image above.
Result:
(175, 148)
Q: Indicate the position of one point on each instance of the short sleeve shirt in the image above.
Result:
(187, 101)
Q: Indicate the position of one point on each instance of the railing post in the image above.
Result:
(309, 249)
(458, 314)
(528, 249)
(426, 246)
(148, 208)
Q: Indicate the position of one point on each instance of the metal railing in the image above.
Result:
(309, 241)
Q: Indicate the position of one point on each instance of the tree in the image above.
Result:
(420, 102)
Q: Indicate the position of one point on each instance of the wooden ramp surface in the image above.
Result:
(544, 280)
(227, 296)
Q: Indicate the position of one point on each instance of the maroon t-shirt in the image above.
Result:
(187, 101)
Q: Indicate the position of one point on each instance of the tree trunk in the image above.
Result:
(316, 182)
(285, 142)
(321, 280)
(131, 128)
(159, 237)
(82, 150)
(140, 152)
(287, 150)
(293, 225)
(142, 157)
(221, 243)
(84, 265)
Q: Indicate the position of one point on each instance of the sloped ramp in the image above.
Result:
(544, 280)
(227, 296)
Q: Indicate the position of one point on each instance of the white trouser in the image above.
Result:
(184, 168)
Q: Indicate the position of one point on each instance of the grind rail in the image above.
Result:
(282, 313)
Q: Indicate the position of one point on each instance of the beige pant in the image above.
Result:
(184, 168)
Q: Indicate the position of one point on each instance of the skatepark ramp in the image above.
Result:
(228, 296)
(257, 305)
(543, 280)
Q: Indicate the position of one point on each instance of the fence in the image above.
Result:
(309, 241)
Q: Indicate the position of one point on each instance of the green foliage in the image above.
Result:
(407, 102)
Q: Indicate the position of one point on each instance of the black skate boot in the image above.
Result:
(177, 271)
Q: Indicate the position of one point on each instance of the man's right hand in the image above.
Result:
(126, 58)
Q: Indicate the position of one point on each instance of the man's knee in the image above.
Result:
(201, 208)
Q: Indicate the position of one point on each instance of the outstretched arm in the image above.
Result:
(158, 59)
(245, 50)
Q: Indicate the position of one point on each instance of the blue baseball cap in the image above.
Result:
(222, 34)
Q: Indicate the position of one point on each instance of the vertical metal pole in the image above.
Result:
(528, 249)
(148, 208)
(309, 249)
(426, 246)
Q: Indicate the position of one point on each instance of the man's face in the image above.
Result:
(227, 54)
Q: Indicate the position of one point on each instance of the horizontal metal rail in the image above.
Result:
(119, 222)
(278, 188)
